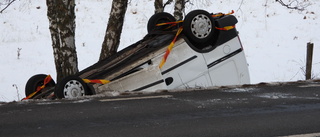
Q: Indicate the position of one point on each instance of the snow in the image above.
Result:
(237, 90)
(275, 95)
(274, 37)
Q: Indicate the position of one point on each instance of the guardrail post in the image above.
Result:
(309, 60)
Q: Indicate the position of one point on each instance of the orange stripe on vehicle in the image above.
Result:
(226, 28)
(99, 81)
(39, 88)
(169, 23)
(222, 14)
(164, 59)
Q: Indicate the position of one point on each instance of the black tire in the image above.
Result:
(161, 17)
(199, 27)
(71, 87)
(35, 81)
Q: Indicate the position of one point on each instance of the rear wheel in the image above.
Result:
(71, 87)
(36, 81)
(199, 28)
(161, 17)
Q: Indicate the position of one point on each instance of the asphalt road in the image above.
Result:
(262, 111)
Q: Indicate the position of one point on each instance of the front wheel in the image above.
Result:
(199, 27)
(71, 87)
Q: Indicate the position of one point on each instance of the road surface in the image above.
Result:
(284, 109)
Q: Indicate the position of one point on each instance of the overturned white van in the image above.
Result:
(207, 53)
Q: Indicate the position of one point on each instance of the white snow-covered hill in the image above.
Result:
(273, 36)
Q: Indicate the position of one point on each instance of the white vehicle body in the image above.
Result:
(187, 68)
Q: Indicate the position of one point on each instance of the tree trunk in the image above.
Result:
(158, 6)
(179, 9)
(62, 28)
(114, 29)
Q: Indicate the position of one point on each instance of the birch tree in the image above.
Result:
(179, 6)
(114, 28)
(179, 9)
(62, 28)
(158, 6)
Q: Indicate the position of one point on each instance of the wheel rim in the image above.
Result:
(201, 26)
(73, 89)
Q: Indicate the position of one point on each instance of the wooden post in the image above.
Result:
(309, 60)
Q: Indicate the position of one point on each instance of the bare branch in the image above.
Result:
(301, 6)
(10, 2)
(240, 6)
(167, 3)
(188, 1)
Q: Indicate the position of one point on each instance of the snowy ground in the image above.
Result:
(273, 36)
